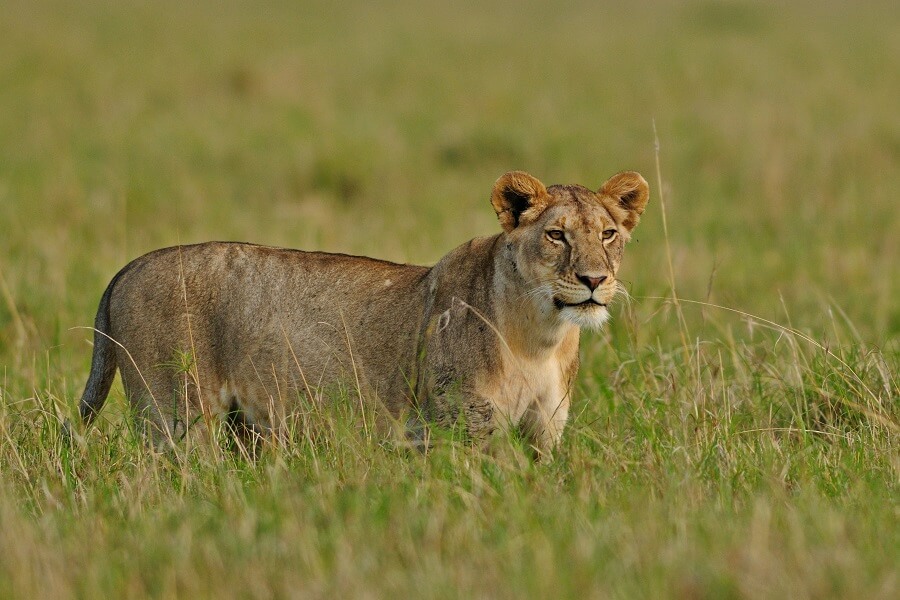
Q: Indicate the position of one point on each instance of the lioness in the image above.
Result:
(486, 338)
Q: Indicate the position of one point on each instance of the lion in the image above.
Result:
(486, 339)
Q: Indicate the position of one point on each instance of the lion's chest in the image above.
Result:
(529, 384)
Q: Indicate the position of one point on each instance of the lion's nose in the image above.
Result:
(591, 282)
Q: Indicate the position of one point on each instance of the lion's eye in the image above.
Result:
(608, 234)
(556, 234)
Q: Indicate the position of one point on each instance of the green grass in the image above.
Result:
(711, 453)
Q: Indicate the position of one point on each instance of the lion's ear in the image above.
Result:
(629, 194)
(517, 193)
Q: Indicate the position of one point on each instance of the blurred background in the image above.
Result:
(379, 128)
(708, 454)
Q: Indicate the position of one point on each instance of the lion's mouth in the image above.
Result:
(589, 303)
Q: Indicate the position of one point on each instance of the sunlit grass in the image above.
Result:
(742, 442)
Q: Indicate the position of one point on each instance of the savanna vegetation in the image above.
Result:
(735, 427)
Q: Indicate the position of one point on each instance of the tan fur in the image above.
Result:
(488, 336)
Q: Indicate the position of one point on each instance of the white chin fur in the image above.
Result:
(590, 318)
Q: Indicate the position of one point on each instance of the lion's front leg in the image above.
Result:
(543, 425)
(471, 412)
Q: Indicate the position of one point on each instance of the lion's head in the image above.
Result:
(567, 241)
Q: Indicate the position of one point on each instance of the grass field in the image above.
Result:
(742, 442)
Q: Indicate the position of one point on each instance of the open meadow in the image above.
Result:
(735, 430)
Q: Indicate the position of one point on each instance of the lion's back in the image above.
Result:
(241, 308)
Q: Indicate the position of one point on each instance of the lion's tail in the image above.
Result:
(103, 361)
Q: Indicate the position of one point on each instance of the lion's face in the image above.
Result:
(568, 241)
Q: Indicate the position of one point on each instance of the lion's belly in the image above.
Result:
(269, 382)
